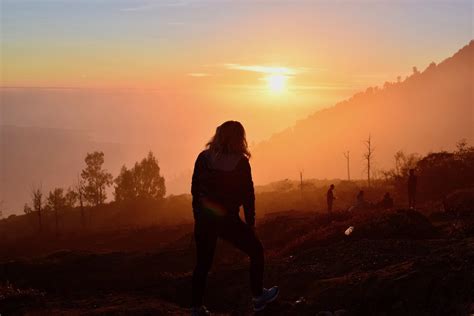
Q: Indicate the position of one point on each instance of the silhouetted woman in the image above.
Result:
(222, 182)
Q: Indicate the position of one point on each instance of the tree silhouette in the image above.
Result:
(143, 181)
(404, 162)
(27, 209)
(79, 188)
(56, 202)
(126, 185)
(301, 183)
(415, 70)
(150, 184)
(368, 155)
(96, 179)
(347, 155)
(71, 197)
(462, 148)
(443, 172)
(37, 199)
(398, 175)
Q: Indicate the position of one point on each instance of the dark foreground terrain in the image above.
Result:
(396, 262)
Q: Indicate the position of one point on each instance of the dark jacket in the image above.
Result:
(330, 196)
(223, 183)
(412, 184)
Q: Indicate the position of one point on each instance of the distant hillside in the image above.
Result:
(427, 111)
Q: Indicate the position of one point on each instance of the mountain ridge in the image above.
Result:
(439, 96)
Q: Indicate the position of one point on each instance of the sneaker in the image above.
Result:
(200, 311)
(268, 296)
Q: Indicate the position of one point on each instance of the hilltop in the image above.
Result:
(428, 111)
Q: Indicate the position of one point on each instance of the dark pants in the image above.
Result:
(329, 206)
(411, 198)
(231, 228)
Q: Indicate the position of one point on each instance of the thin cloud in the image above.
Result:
(323, 87)
(198, 74)
(154, 5)
(265, 69)
(138, 8)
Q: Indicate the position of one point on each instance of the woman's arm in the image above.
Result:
(248, 194)
(199, 166)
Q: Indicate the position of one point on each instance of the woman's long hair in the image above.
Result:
(229, 139)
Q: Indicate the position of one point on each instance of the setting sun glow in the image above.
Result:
(276, 83)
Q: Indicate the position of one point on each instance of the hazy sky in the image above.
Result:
(227, 53)
(165, 73)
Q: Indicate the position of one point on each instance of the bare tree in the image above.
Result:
(301, 183)
(368, 155)
(301, 180)
(37, 199)
(347, 155)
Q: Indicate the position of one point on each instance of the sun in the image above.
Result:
(276, 82)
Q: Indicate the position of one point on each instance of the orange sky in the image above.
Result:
(157, 44)
(211, 53)
(164, 73)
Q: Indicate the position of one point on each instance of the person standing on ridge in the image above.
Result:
(386, 202)
(221, 183)
(330, 198)
(412, 181)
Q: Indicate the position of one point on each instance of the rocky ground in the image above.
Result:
(396, 262)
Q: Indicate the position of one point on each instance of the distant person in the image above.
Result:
(412, 181)
(221, 183)
(386, 202)
(361, 199)
(330, 197)
(361, 203)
